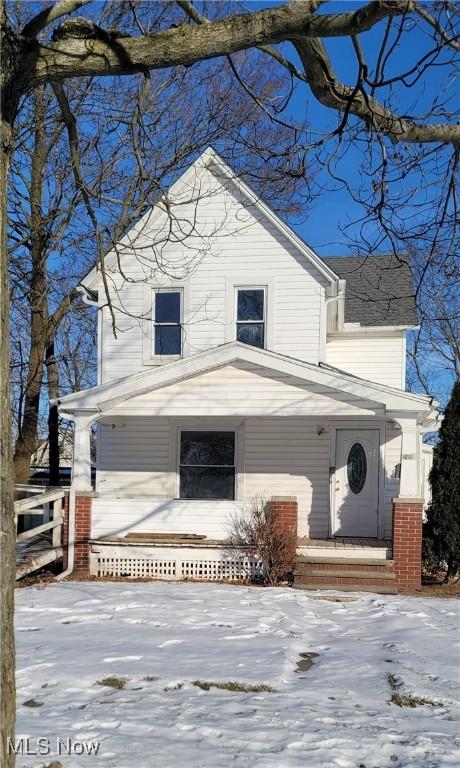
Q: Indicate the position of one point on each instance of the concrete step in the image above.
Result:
(371, 553)
(337, 581)
(328, 560)
(379, 589)
(346, 574)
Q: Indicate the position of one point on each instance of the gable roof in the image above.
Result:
(379, 289)
(106, 396)
(210, 160)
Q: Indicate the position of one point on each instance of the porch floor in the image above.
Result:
(161, 540)
(190, 539)
(344, 543)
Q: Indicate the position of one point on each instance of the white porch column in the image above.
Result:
(410, 477)
(81, 469)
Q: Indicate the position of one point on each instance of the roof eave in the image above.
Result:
(106, 396)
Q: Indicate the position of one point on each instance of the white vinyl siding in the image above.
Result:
(287, 457)
(245, 389)
(137, 481)
(117, 517)
(133, 458)
(375, 356)
(137, 477)
(236, 247)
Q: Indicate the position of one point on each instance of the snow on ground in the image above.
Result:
(335, 714)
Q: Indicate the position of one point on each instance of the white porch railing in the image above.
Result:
(35, 548)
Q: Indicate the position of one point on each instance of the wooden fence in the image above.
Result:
(41, 544)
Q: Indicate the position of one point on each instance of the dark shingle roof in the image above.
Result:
(379, 289)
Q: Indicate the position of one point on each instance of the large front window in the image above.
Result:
(167, 313)
(207, 465)
(250, 316)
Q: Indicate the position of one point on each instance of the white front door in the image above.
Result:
(356, 484)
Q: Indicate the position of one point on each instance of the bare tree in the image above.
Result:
(434, 349)
(74, 192)
(372, 112)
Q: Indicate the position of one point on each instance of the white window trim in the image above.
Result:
(232, 286)
(148, 326)
(181, 322)
(200, 425)
(263, 288)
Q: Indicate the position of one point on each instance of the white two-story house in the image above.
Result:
(234, 362)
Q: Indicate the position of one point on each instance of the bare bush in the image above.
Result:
(257, 530)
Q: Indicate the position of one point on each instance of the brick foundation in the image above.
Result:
(83, 502)
(407, 542)
(65, 530)
(286, 508)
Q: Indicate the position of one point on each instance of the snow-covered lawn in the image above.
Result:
(162, 636)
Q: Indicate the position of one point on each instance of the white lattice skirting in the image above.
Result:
(173, 563)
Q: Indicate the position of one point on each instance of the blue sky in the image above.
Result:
(335, 206)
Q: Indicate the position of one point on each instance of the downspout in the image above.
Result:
(339, 295)
(71, 515)
(70, 536)
(89, 297)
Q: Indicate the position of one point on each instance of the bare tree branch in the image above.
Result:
(334, 94)
(103, 53)
(198, 17)
(50, 14)
(451, 41)
(71, 126)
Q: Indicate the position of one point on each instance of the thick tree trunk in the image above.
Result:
(27, 439)
(53, 416)
(8, 528)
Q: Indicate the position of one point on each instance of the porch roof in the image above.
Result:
(105, 397)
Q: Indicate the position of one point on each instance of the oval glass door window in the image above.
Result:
(356, 468)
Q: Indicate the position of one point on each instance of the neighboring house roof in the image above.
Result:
(40, 457)
(379, 289)
(106, 396)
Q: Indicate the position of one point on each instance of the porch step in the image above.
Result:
(369, 553)
(380, 563)
(356, 574)
(381, 589)
(348, 574)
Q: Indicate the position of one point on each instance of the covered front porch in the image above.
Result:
(184, 448)
(181, 556)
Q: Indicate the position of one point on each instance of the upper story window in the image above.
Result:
(167, 323)
(250, 316)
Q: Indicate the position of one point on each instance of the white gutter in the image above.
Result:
(88, 296)
(70, 537)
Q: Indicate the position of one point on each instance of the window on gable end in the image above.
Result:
(167, 323)
(251, 316)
